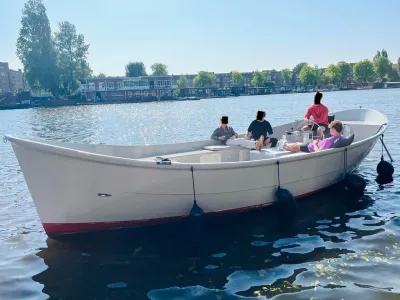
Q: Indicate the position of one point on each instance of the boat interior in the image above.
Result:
(362, 123)
(220, 153)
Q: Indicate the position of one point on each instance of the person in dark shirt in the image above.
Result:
(261, 129)
(227, 136)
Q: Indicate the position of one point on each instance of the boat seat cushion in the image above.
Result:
(343, 141)
(217, 147)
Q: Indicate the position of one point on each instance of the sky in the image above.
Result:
(217, 35)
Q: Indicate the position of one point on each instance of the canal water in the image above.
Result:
(335, 250)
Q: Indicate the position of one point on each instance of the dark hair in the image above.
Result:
(260, 115)
(337, 125)
(317, 98)
(224, 120)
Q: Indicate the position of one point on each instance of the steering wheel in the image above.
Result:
(308, 123)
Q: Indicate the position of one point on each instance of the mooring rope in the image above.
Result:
(387, 151)
(345, 161)
(279, 180)
(194, 190)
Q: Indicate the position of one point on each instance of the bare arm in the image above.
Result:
(307, 115)
(249, 130)
(316, 149)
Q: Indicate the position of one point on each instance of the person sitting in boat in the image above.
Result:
(335, 127)
(260, 129)
(319, 112)
(227, 136)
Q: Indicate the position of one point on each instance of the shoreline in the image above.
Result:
(79, 102)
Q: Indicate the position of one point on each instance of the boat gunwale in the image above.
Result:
(139, 163)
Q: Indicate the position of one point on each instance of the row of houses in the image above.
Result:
(161, 87)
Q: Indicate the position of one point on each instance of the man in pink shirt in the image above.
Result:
(335, 127)
(319, 112)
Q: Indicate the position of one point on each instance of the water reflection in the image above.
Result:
(64, 124)
(224, 261)
(301, 261)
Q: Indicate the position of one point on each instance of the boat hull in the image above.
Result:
(76, 192)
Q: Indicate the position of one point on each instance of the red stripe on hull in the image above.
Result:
(68, 228)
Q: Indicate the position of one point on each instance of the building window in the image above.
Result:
(3, 74)
(120, 84)
(110, 85)
(166, 82)
(101, 85)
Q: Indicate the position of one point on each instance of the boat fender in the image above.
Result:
(385, 171)
(355, 184)
(196, 210)
(287, 204)
(384, 168)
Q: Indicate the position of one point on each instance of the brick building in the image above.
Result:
(121, 88)
(4, 77)
(11, 80)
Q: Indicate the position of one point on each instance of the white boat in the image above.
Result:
(83, 187)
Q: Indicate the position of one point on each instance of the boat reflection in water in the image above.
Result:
(230, 256)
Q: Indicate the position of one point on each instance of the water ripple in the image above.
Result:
(335, 250)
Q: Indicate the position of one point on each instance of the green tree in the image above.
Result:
(332, 73)
(265, 74)
(182, 83)
(135, 69)
(159, 69)
(364, 71)
(393, 75)
(204, 79)
(381, 67)
(286, 76)
(258, 79)
(237, 78)
(101, 75)
(318, 75)
(307, 75)
(378, 54)
(384, 53)
(325, 79)
(72, 53)
(35, 48)
(398, 64)
(298, 67)
(345, 72)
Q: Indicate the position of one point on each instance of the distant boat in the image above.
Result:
(83, 187)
